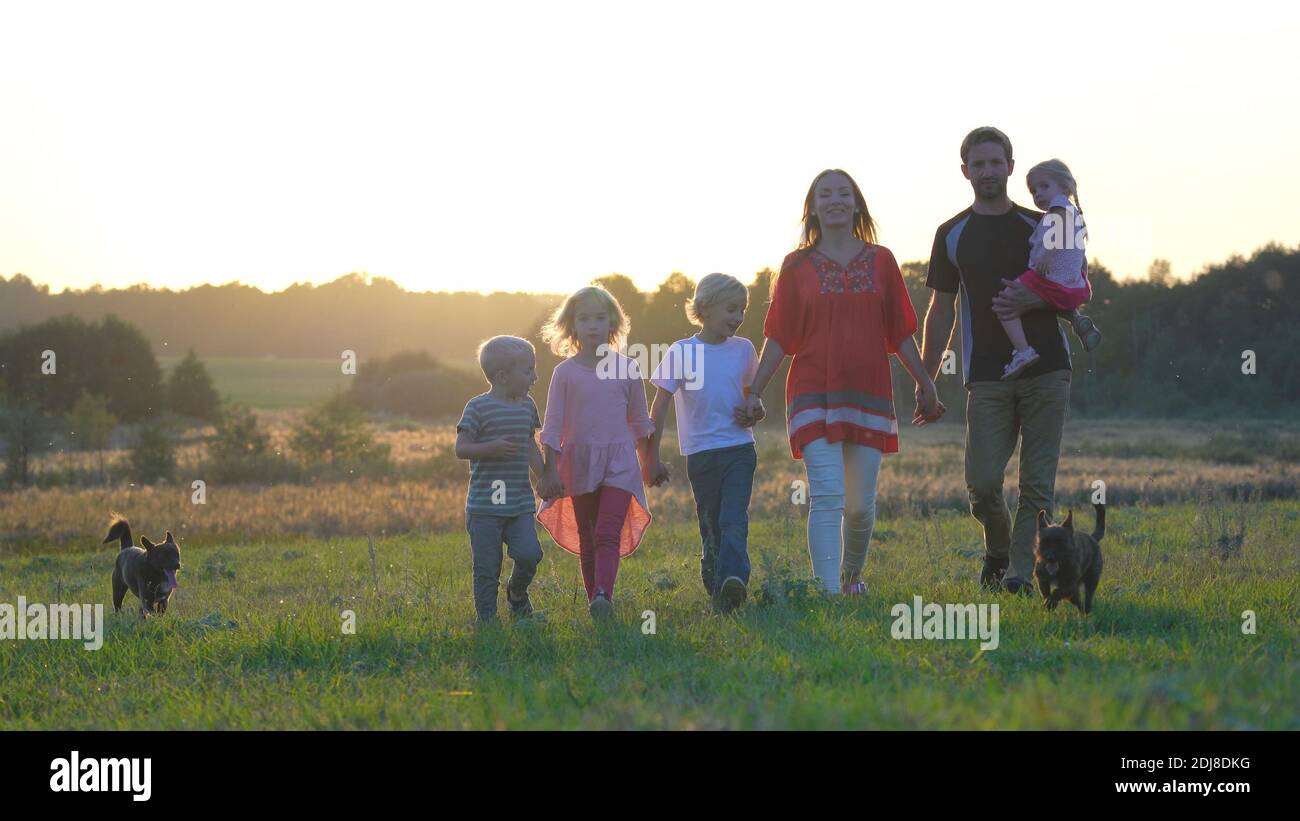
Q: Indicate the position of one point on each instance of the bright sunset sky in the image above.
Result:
(533, 146)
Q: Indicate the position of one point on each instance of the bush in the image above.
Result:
(190, 391)
(335, 435)
(238, 435)
(153, 454)
(413, 383)
(23, 428)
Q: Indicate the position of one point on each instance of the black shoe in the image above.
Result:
(993, 571)
(732, 594)
(1020, 586)
(520, 608)
(602, 609)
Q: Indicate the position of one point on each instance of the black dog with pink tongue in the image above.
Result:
(148, 572)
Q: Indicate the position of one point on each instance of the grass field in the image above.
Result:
(268, 383)
(253, 638)
(1203, 525)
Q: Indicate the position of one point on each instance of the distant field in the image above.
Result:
(269, 383)
(272, 384)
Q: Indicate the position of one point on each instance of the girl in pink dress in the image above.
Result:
(596, 427)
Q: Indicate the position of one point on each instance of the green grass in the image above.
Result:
(253, 639)
(272, 384)
(268, 383)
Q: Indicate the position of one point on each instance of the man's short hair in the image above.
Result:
(984, 134)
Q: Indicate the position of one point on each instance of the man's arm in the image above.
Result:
(939, 319)
(1015, 300)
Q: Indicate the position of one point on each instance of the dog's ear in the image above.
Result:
(1069, 521)
(170, 538)
(1042, 520)
(145, 543)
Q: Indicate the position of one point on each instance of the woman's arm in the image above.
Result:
(751, 410)
(928, 407)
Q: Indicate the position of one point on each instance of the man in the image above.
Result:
(979, 253)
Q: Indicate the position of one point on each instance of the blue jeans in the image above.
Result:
(723, 480)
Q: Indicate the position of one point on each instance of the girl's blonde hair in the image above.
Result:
(1060, 172)
(711, 290)
(561, 334)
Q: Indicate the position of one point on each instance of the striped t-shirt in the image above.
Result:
(499, 486)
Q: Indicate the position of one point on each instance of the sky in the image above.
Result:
(534, 146)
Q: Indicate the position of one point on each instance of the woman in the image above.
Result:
(839, 307)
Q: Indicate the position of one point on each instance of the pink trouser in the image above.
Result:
(600, 517)
(1054, 294)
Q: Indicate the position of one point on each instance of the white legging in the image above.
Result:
(842, 490)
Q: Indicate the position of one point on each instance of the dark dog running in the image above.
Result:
(149, 573)
(1068, 560)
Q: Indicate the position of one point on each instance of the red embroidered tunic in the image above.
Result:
(840, 324)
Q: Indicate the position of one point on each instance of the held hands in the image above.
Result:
(549, 486)
(928, 407)
(655, 473)
(750, 412)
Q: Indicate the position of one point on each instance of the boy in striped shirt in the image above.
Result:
(497, 433)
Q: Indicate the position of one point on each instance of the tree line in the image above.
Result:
(1218, 346)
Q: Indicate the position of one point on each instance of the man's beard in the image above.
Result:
(996, 191)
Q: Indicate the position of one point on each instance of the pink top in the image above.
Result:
(594, 418)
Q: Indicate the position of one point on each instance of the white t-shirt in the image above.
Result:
(707, 383)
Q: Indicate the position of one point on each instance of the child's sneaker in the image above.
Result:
(732, 594)
(602, 609)
(858, 588)
(1020, 361)
(1086, 330)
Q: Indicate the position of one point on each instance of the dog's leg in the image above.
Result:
(1044, 587)
(1074, 599)
(1090, 584)
(1053, 599)
(119, 590)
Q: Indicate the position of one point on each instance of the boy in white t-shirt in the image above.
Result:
(708, 376)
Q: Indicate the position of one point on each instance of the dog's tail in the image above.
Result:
(1100, 529)
(119, 528)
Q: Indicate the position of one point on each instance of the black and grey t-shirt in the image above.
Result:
(972, 254)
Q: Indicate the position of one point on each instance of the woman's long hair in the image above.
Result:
(864, 227)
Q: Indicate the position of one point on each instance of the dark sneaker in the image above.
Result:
(602, 609)
(520, 608)
(1019, 586)
(858, 588)
(732, 594)
(993, 571)
(1087, 331)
